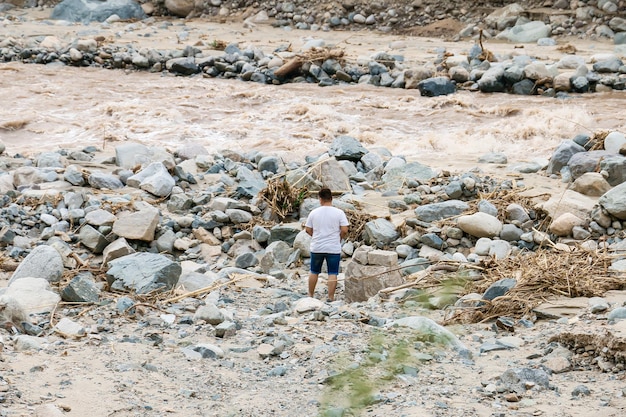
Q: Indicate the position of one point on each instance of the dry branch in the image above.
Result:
(541, 275)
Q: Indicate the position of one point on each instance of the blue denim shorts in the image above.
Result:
(332, 262)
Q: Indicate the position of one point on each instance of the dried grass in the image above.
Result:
(283, 198)
(357, 219)
(540, 275)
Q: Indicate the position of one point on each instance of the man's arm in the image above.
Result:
(343, 231)
(309, 230)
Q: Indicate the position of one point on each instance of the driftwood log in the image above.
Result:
(313, 55)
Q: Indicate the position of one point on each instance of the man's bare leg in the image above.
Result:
(332, 286)
(312, 284)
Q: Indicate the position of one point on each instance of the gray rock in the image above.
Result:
(614, 201)
(261, 234)
(615, 166)
(132, 155)
(225, 329)
(519, 379)
(101, 180)
(529, 32)
(139, 225)
(250, 183)
(617, 314)
(191, 151)
(331, 175)
(73, 175)
(183, 65)
(365, 281)
(379, 232)
(90, 10)
(436, 86)
(581, 391)
(485, 206)
(583, 162)
(395, 178)
(347, 148)
(193, 281)
(612, 64)
(115, 250)
(500, 249)
(492, 81)
(483, 246)
(591, 184)
(433, 240)
(510, 232)
(598, 305)
(525, 87)
(302, 242)
(81, 289)
(280, 250)
(68, 327)
(499, 288)
(50, 160)
(100, 217)
(92, 239)
(165, 242)
(43, 262)
(371, 160)
(618, 24)
(562, 155)
(238, 216)
(246, 260)
(438, 211)
(270, 164)
(209, 313)
(284, 232)
(517, 213)
(143, 273)
(493, 158)
(24, 343)
(154, 179)
(209, 351)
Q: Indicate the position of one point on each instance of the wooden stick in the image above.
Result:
(207, 289)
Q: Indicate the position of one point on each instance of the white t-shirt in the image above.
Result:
(326, 222)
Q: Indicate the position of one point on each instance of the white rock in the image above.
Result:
(68, 327)
(480, 225)
(307, 304)
(33, 294)
(614, 142)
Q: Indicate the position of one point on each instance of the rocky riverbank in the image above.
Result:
(475, 69)
(185, 251)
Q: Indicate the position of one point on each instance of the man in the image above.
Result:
(327, 225)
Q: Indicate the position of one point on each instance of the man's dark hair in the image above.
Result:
(325, 194)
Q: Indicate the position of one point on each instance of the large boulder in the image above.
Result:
(140, 225)
(347, 147)
(394, 178)
(364, 281)
(526, 33)
(438, 211)
(154, 179)
(614, 201)
(436, 86)
(380, 231)
(143, 273)
(43, 262)
(95, 10)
